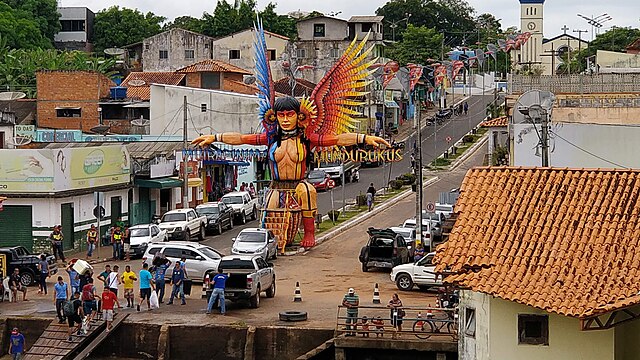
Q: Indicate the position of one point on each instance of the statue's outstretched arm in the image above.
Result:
(347, 140)
(231, 139)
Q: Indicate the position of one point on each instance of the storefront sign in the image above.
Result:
(94, 166)
(192, 169)
(25, 131)
(357, 155)
(58, 135)
(112, 138)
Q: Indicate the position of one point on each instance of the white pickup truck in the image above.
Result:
(242, 204)
(421, 273)
(249, 276)
(183, 224)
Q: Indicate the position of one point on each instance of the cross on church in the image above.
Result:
(565, 29)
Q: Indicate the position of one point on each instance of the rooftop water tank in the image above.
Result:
(118, 92)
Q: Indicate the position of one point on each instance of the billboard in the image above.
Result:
(52, 170)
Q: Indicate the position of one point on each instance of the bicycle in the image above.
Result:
(424, 329)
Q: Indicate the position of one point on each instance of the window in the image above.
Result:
(470, 322)
(154, 250)
(69, 112)
(334, 53)
(533, 329)
(301, 53)
(190, 254)
(203, 107)
(271, 54)
(173, 252)
(206, 45)
(164, 54)
(154, 231)
(234, 54)
(72, 25)
(189, 55)
(146, 46)
(318, 30)
(366, 27)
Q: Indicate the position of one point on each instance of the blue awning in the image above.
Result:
(391, 104)
(225, 162)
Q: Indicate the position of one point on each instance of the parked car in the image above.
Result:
(201, 260)
(218, 215)
(140, 236)
(409, 236)
(426, 231)
(445, 209)
(243, 205)
(255, 241)
(183, 224)
(249, 276)
(319, 179)
(385, 249)
(436, 219)
(19, 257)
(421, 273)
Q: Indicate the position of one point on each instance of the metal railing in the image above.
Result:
(380, 321)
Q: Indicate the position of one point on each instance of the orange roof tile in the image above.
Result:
(143, 91)
(502, 121)
(562, 240)
(303, 87)
(212, 66)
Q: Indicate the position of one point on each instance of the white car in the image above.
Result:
(243, 205)
(255, 241)
(140, 236)
(183, 224)
(426, 231)
(201, 260)
(421, 273)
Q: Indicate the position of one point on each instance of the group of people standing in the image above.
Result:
(351, 302)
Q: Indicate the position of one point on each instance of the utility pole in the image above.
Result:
(545, 138)
(553, 53)
(185, 170)
(580, 37)
(419, 180)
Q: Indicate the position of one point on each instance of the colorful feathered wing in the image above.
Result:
(264, 82)
(329, 109)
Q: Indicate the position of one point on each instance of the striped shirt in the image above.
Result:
(353, 300)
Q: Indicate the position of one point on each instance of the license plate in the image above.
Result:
(228, 294)
(380, 264)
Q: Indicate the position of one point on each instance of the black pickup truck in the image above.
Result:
(19, 257)
(385, 249)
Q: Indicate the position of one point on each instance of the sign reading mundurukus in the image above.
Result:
(343, 154)
(293, 127)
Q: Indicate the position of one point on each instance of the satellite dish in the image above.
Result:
(114, 51)
(248, 79)
(21, 140)
(101, 129)
(11, 95)
(140, 122)
(532, 97)
(136, 82)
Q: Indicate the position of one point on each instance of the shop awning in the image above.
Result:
(160, 183)
(194, 182)
(391, 104)
(226, 162)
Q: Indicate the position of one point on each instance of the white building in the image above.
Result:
(547, 260)
(76, 29)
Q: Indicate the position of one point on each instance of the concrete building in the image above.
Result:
(175, 49)
(237, 49)
(76, 29)
(547, 268)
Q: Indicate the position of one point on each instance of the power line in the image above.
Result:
(589, 152)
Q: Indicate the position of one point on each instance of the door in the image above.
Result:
(67, 225)
(424, 271)
(116, 210)
(144, 214)
(17, 221)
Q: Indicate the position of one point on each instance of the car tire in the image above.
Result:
(365, 268)
(219, 229)
(26, 277)
(271, 292)
(404, 282)
(230, 222)
(254, 214)
(201, 233)
(243, 218)
(293, 316)
(254, 301)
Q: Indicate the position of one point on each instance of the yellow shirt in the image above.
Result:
(127, 279)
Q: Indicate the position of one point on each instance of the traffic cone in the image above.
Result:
(376, 294)
(205, 286)
(429, 313)
(297, 296)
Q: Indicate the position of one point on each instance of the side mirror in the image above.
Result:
(199, 258)
(233, 240)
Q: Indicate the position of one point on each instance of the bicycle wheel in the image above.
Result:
(452, 328)
(423, 329)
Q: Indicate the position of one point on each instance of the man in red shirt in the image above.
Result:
(108, 300)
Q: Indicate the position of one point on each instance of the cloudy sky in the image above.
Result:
(557, 12)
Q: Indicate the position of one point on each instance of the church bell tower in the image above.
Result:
(531, 20)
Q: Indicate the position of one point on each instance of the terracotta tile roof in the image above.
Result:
(562, 240)
(240, 87)
(303, 87)
(212, 66)
(143, 91)
(502, 121)
(635, 45)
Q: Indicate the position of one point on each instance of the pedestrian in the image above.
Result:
(418, 253)
(92, 240)
(128, 277)
(113, 280)
(74, 279)
(56, 239)
(74, 312)
(219, 283)
(177, 279)
(105, 275)
(109, 300)
(351, 301)
(126, 242)
(159, 275)
(379, 326)
(15, 285)
(84, 278)
(89, 296)
(116, 242)
(369, 201)
(43, 269)
(397, 313)
(252, 190)
(145, 286)
(466, 108)
(183, 266)
(16, 344)
(60, 296)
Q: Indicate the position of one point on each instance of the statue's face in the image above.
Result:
(287, 119)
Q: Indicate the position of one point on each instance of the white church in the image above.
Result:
(541, 52)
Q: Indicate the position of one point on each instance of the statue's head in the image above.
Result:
(287, 109)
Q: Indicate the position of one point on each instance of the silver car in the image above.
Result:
(200, 259)
(140, 236)
(255, 241)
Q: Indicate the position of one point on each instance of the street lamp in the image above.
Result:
(394, 24)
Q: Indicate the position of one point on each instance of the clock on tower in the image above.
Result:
(531, 25)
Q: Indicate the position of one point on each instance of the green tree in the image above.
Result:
(117, 27)
(418, 44)
(43, 12)
(18, 29)
(184, 22)
(279, 24)
(615, 39)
